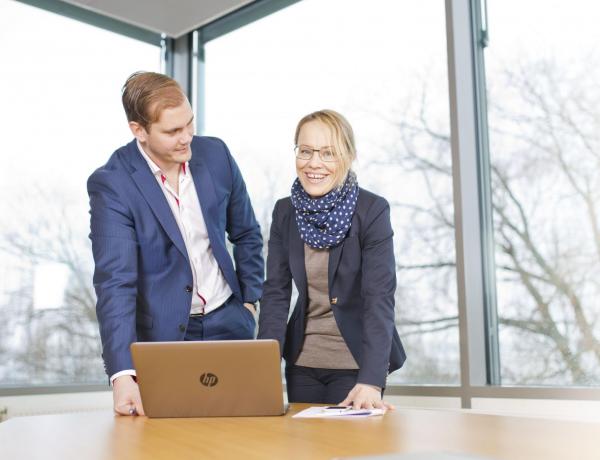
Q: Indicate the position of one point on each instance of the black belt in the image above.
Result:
(200, 315)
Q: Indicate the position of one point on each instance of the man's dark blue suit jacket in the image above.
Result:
(142, 272)
(362, 282)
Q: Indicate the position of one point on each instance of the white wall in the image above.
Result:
(55, 403)
(545, 408)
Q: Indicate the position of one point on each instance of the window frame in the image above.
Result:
(466, 31)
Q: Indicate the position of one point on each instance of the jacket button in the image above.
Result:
(188, 288)
(334, 301)
(182, 327)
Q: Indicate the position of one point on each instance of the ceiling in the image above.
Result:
(173, 17)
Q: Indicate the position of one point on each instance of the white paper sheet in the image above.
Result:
(337, 412)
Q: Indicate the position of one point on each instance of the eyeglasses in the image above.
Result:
(304, 152)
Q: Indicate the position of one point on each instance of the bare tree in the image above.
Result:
(545, 151)
(59, 344)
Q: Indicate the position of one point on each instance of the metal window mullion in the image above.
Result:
(467, 216)
(480, 39)
(166, 55)
(185, 63)
(179, 62)
(200, 83)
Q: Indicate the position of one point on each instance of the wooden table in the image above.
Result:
(102, 435)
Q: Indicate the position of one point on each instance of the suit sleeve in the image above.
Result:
(275, 303)
(378, 288)
(243, 232)
(114, 247)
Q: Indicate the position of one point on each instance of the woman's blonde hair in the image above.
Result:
(342, 137)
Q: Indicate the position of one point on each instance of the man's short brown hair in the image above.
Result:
(146, 94)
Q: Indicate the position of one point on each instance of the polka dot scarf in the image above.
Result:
(323, 222)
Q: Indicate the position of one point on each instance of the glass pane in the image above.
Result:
(543, 69)
(61, 119)
(261, 79)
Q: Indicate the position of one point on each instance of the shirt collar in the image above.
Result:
(154, 167)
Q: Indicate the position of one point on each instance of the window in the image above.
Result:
(543, 69)
(61, 119)
(363, 62)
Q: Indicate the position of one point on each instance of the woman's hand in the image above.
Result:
(364, 396)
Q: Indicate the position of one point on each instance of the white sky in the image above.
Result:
(338, 54)
(60, 87)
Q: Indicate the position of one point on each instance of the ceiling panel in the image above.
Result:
(173, 17)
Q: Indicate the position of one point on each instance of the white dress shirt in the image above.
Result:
(210, 288)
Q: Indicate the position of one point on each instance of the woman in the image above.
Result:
(334, 240)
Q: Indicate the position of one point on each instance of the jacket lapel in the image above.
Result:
(297, 265)
(207, 196)
(155, 197)
(335, 254)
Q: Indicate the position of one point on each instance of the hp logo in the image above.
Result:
(209, 380)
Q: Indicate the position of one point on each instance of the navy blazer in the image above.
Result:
(362, 282)
(142, 272)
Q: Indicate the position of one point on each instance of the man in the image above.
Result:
(160, 209)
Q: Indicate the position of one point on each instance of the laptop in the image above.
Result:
(227, 378)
